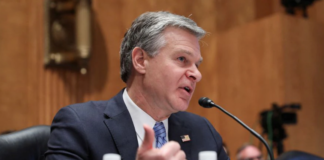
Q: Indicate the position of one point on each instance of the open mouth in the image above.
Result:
(187, 89)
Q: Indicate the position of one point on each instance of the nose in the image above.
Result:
(194, 74)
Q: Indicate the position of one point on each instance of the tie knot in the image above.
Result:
(160, 134)
(159, 129)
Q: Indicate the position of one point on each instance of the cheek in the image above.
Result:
(156, 77)
(165, 75)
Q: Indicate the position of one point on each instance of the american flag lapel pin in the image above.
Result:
(185, 138)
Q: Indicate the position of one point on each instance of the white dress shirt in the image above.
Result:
(140, 118)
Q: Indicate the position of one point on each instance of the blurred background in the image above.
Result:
(263, 62)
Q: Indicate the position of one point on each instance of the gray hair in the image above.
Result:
(146, 33)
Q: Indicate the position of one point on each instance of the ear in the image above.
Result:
(138, 57)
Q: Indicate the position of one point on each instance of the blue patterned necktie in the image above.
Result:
(160, 134)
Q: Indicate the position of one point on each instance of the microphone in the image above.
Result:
(207, 103)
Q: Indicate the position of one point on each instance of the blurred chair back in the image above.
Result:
(298, 155)
(27, 144)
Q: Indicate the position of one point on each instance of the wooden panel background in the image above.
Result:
(249, 62)
(278, 59)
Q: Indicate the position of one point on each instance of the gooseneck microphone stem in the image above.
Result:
(248, 128)
(207, 103)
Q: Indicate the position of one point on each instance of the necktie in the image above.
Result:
(160, 134)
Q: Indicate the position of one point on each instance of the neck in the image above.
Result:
(142, 100)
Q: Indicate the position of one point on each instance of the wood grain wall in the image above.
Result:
(253, 55)
(273, 60)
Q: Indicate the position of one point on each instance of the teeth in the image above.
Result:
(187, 89)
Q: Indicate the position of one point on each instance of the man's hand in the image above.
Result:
(169, 151)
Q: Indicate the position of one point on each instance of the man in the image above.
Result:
(160, 55)
(249, 152)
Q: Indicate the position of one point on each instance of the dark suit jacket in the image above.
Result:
(89, 130)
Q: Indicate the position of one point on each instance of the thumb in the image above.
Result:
(148, 140)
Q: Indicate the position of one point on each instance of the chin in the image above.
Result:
(181, 107)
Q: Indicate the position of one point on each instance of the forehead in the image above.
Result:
(181, 40)
(251, 151)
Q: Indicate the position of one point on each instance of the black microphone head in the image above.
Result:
(205, 102)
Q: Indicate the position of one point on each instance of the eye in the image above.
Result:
(182, 59)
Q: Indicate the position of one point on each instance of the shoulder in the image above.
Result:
(195, 122)
(189, 117)
(92, 109)
(81, 112)
(191, 120)
(90, 106)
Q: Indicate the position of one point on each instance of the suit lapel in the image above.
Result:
(177, 128)
(121, 127)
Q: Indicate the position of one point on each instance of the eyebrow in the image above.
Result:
(189, 53)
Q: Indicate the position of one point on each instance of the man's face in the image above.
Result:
(171, 75)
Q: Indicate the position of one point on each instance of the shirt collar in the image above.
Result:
(140, 118)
